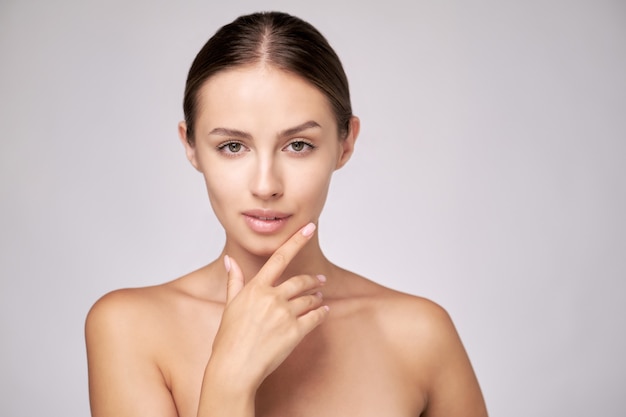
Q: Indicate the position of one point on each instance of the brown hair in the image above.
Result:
(278, 39)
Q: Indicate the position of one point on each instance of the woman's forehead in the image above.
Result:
(259, 81)
(262, 93)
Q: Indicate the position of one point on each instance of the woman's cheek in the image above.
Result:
(313, 187)
(221, 190)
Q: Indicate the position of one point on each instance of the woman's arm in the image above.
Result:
(453, 387)
(123, 380)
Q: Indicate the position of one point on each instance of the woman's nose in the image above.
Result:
(266, 180)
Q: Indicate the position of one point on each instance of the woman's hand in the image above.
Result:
(263, 322)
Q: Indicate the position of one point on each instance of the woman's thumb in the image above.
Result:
(235, 281)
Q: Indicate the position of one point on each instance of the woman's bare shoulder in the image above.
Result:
(152, 304)
(121, 318)
(417, 324)
(131, 336)
(126, 304)
(392, 304)
(408, 312)
(424, 343)
(414, 323)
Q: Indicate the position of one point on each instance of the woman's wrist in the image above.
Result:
(226, 392)
(230, 376)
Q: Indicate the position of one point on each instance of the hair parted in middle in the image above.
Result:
(276, 39)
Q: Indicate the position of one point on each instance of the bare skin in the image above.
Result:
(378, 352)
(271, 327)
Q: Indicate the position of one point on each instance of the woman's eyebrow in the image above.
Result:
(222, 131)
(297, 129)
(234, 133)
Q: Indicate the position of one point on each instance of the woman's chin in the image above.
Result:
(261, 247)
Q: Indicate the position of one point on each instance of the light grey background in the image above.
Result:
(489, 176)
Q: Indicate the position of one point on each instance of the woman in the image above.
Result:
(271, 327)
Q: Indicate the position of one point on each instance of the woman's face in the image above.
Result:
(266, 142)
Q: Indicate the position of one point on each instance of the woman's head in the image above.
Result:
(278, 40)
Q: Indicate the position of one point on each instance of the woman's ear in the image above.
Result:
(347, 144)
(190, 150)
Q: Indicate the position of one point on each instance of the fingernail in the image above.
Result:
(322, 278)
(227, 263)
(308, 229)
(319, 295)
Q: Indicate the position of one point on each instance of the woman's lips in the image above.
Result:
(264, 221)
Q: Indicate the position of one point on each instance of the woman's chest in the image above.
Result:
(347, 368)
(359, 378)
(342, 368)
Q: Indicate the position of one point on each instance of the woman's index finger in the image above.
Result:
(277, 263)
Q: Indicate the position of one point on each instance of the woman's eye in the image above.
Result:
(231, 148)
(299, 146)
(234, 147)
